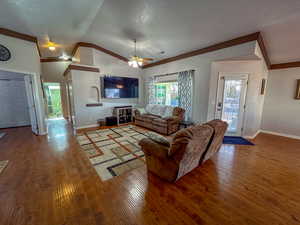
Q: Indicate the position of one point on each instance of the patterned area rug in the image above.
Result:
(3, 164)
(114, 151)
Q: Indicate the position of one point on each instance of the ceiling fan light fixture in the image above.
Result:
(135, 64)
(51, 48)
(64, 57)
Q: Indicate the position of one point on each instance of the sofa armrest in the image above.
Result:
(172, 119)
(137, 112)
(150, 147)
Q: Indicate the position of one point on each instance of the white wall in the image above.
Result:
(82, 82)
(254, 100)
(24, 56)
(281, 111)
(25, 59)
(202, 66)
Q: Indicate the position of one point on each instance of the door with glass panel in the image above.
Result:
(230, 107)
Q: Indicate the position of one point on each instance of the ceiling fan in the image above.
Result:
(136, 61)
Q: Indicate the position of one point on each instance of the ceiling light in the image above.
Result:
(51, 45)
(64, 57)
(135, 63)
(51, 48)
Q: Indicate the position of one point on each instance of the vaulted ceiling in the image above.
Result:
(169, 26)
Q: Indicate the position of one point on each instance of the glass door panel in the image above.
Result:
(231, 104)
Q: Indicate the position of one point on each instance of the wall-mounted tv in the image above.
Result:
(119, 87)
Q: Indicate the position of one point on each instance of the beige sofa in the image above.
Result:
(160, 118)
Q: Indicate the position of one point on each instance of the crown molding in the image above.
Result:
(54, 59)
(285, 65)
(263, 49)
(18, 35)
(237, 41)
(99, 48)
(215, 47)
(81, 68)
(21, 36)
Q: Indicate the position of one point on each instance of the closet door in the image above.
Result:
(13, 103)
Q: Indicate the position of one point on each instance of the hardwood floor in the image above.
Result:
(48, 181)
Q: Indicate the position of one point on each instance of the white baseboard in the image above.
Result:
(88, 126)
(280, 134)
(252, 137)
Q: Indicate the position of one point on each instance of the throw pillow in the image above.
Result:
(168, 111)
(141, 110)
(158, 138)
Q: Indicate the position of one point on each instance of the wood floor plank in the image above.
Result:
(50, 181)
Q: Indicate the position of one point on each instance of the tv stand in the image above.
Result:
(124, 114)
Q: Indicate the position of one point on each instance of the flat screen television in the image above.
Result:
(119, 87)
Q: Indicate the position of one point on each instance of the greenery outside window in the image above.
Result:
(166, 93)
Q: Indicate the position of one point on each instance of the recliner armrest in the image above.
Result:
(150, 147)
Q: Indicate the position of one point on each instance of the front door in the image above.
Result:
(231, 97)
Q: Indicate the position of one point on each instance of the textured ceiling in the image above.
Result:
(172, 26)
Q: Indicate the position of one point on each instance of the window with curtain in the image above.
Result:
(166, 93)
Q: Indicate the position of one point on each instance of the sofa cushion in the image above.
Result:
(141, 110)
(146, 117)
(158, 110)
(168, 111)
(160, 122)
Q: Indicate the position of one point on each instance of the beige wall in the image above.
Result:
(281, 111)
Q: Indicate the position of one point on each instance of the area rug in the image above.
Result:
(114, 151)
(236, 141)
(3, 164)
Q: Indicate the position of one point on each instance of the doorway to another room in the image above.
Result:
(232, 89)
(17, 101)
(53, 100)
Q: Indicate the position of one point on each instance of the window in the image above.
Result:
(166, 93)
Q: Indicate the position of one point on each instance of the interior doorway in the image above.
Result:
(53, 100)
(232, 89)
(17, 101)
